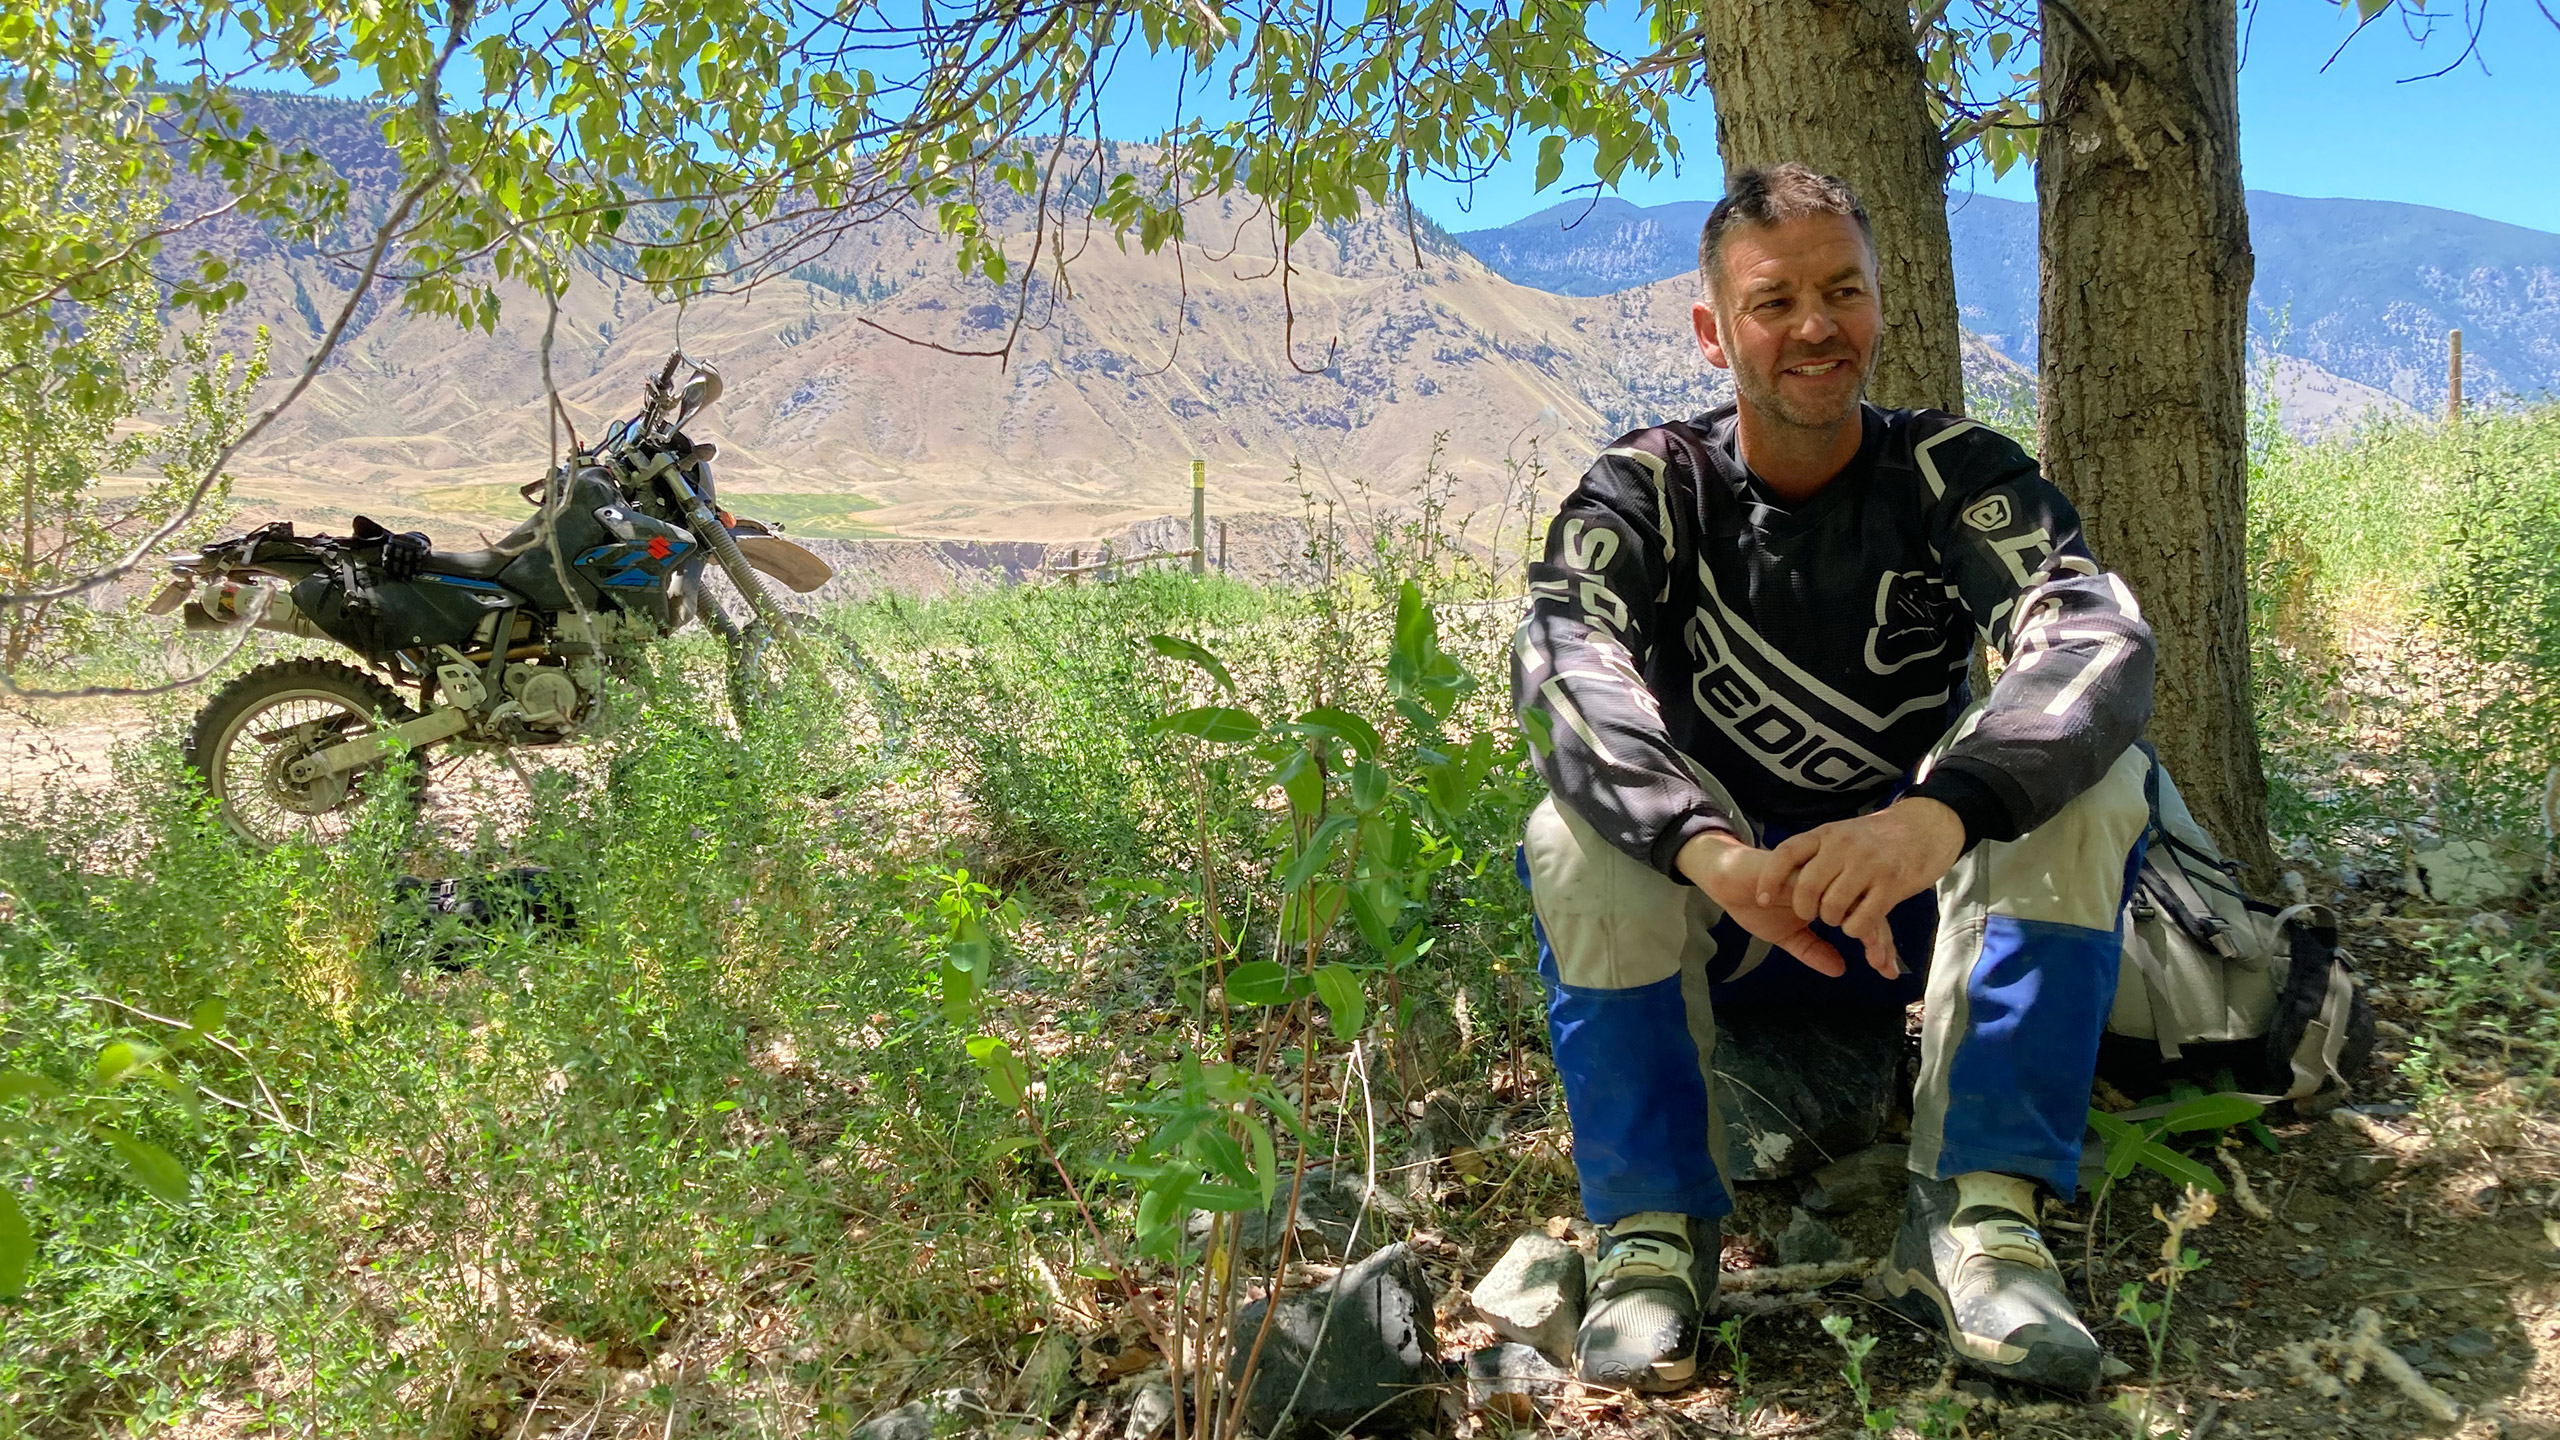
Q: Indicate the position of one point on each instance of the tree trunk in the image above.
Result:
(1836, 84)
(2144, 311)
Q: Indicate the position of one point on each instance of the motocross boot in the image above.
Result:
(1970, 1264)
(1657, 1276)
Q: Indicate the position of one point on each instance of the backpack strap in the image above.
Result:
(2175, 891)
(2166, 1023)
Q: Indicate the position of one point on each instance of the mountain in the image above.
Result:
(1388, 352)
(2362, 289)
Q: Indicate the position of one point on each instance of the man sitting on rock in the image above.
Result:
(1744, 672)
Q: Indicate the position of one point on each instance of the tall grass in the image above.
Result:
(2406, 594)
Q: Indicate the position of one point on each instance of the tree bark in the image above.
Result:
(1837, 85)
(2144, 306)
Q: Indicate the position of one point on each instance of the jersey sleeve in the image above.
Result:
(2075, 687)
(1578, 662)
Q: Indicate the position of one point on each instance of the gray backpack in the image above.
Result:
(2214, 981)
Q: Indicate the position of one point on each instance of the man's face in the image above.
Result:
(1795, 319)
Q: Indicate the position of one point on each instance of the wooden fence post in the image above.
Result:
(1199, 517)
(2453, 378)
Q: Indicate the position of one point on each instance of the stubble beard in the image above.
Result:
(1766, 395)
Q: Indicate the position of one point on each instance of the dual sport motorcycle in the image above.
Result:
(504, 648)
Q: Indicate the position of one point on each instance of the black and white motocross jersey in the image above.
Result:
(1808, 657)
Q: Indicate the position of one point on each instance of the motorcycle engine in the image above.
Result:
(548, 697)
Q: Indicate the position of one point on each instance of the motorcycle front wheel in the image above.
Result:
(247, 737)
(760, 664)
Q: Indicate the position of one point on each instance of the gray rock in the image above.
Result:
(949, 1413)
(2472, 873)
(1876, 1173)
(2113, 1368)
(1513, 1382)
(1328, 1203)
(2471, 1344)
(1800, 1087)
(1150, 1412)
(2248, 1378)
(2308, 1267)
(1447, 1123)
(2418, 1353)
(2218, 1291)
(1377, 1366)
(1534, 1295)
(2363, 1172)
(1807, 1241)
(2350, 878)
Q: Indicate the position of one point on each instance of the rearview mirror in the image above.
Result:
(699, 391)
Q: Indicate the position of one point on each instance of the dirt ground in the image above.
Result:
(58, 751)
(64, 743)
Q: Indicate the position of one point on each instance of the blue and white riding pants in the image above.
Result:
(2022, 946)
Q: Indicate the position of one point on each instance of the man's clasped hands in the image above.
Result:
(1848, 874)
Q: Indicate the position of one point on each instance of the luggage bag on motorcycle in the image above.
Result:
(358, 605)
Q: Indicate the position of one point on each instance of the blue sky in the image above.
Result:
(2477, 142)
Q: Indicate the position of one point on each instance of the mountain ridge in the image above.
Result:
(2363, 289)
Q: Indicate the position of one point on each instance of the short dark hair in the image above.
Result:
(1774, 195)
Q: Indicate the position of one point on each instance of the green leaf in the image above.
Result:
(2178, 1167)
(1307, 916)
(1539, 729)
(2124, 1143)
(1181, 649)
(207, 1017)
(1338, 986)
(121, 1059)
(1216, 724)
(1550, 161)
(17, 1245)
(1263, 982)
(1318, 852)
(155, 1169)
(1266, 1157)
(16, 1084)
(1006, 1074)
(965, 966)
(2211, 1112)
(1161, 1211)
(1219, 1152)
(2111, 1129)
(1209, 1195)
(1376, 904)
(1288, 1117)
(1370, 785)
(1299, 779)
(1342, 724)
